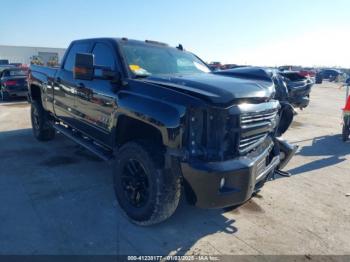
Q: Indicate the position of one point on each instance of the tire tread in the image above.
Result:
(46, 132)
(168, 187)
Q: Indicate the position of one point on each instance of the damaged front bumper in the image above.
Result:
(228, 183)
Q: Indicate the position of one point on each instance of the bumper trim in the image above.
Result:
(274, 163)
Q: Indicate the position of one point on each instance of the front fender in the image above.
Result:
(167, 117)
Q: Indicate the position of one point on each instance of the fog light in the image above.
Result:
(222, 182)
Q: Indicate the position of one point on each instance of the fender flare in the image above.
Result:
(166, 117)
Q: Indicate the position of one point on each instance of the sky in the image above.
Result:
(254, 32)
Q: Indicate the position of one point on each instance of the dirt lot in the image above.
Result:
(56, 198)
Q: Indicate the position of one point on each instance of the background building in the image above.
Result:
(27, 54)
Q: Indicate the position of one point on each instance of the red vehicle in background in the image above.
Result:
(307, 72)
(13, 82)
(346, 113)
(214, 66)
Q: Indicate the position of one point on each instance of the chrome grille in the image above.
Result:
(255, 117)
(255, 127)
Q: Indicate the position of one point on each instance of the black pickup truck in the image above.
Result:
(164, 121)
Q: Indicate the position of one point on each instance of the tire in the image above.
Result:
(42, 128)
(346, 130)
(4, 96)
(139, 167)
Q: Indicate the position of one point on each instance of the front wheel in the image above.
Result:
(42, 128)
(147, 192)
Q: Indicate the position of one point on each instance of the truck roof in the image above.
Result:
(124, 39)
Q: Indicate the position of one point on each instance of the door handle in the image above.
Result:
(57, 83)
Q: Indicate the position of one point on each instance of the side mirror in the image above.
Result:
(84, 66)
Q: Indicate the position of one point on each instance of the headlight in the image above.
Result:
(212, 134)
(195, 133)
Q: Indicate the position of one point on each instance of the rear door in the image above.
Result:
(95, 100)
(65, 86)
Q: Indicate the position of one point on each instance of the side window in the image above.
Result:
(76, 48)
(104, 55)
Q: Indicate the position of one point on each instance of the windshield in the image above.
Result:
(146, 60)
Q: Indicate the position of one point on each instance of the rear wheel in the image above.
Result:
(42, 128)
(146, 191)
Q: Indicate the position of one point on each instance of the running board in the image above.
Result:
(99, 151)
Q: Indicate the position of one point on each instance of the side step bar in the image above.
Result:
(99, 151)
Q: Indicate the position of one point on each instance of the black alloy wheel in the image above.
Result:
(147, 192)
(135, 183)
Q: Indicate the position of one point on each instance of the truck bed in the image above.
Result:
(49, 72)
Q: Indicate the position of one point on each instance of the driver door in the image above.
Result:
(95, 99)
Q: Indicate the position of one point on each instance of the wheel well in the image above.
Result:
(35, 93)
(129, 129)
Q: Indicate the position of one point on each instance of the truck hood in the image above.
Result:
(217, 89)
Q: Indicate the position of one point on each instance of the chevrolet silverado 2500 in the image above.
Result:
(163, 120)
